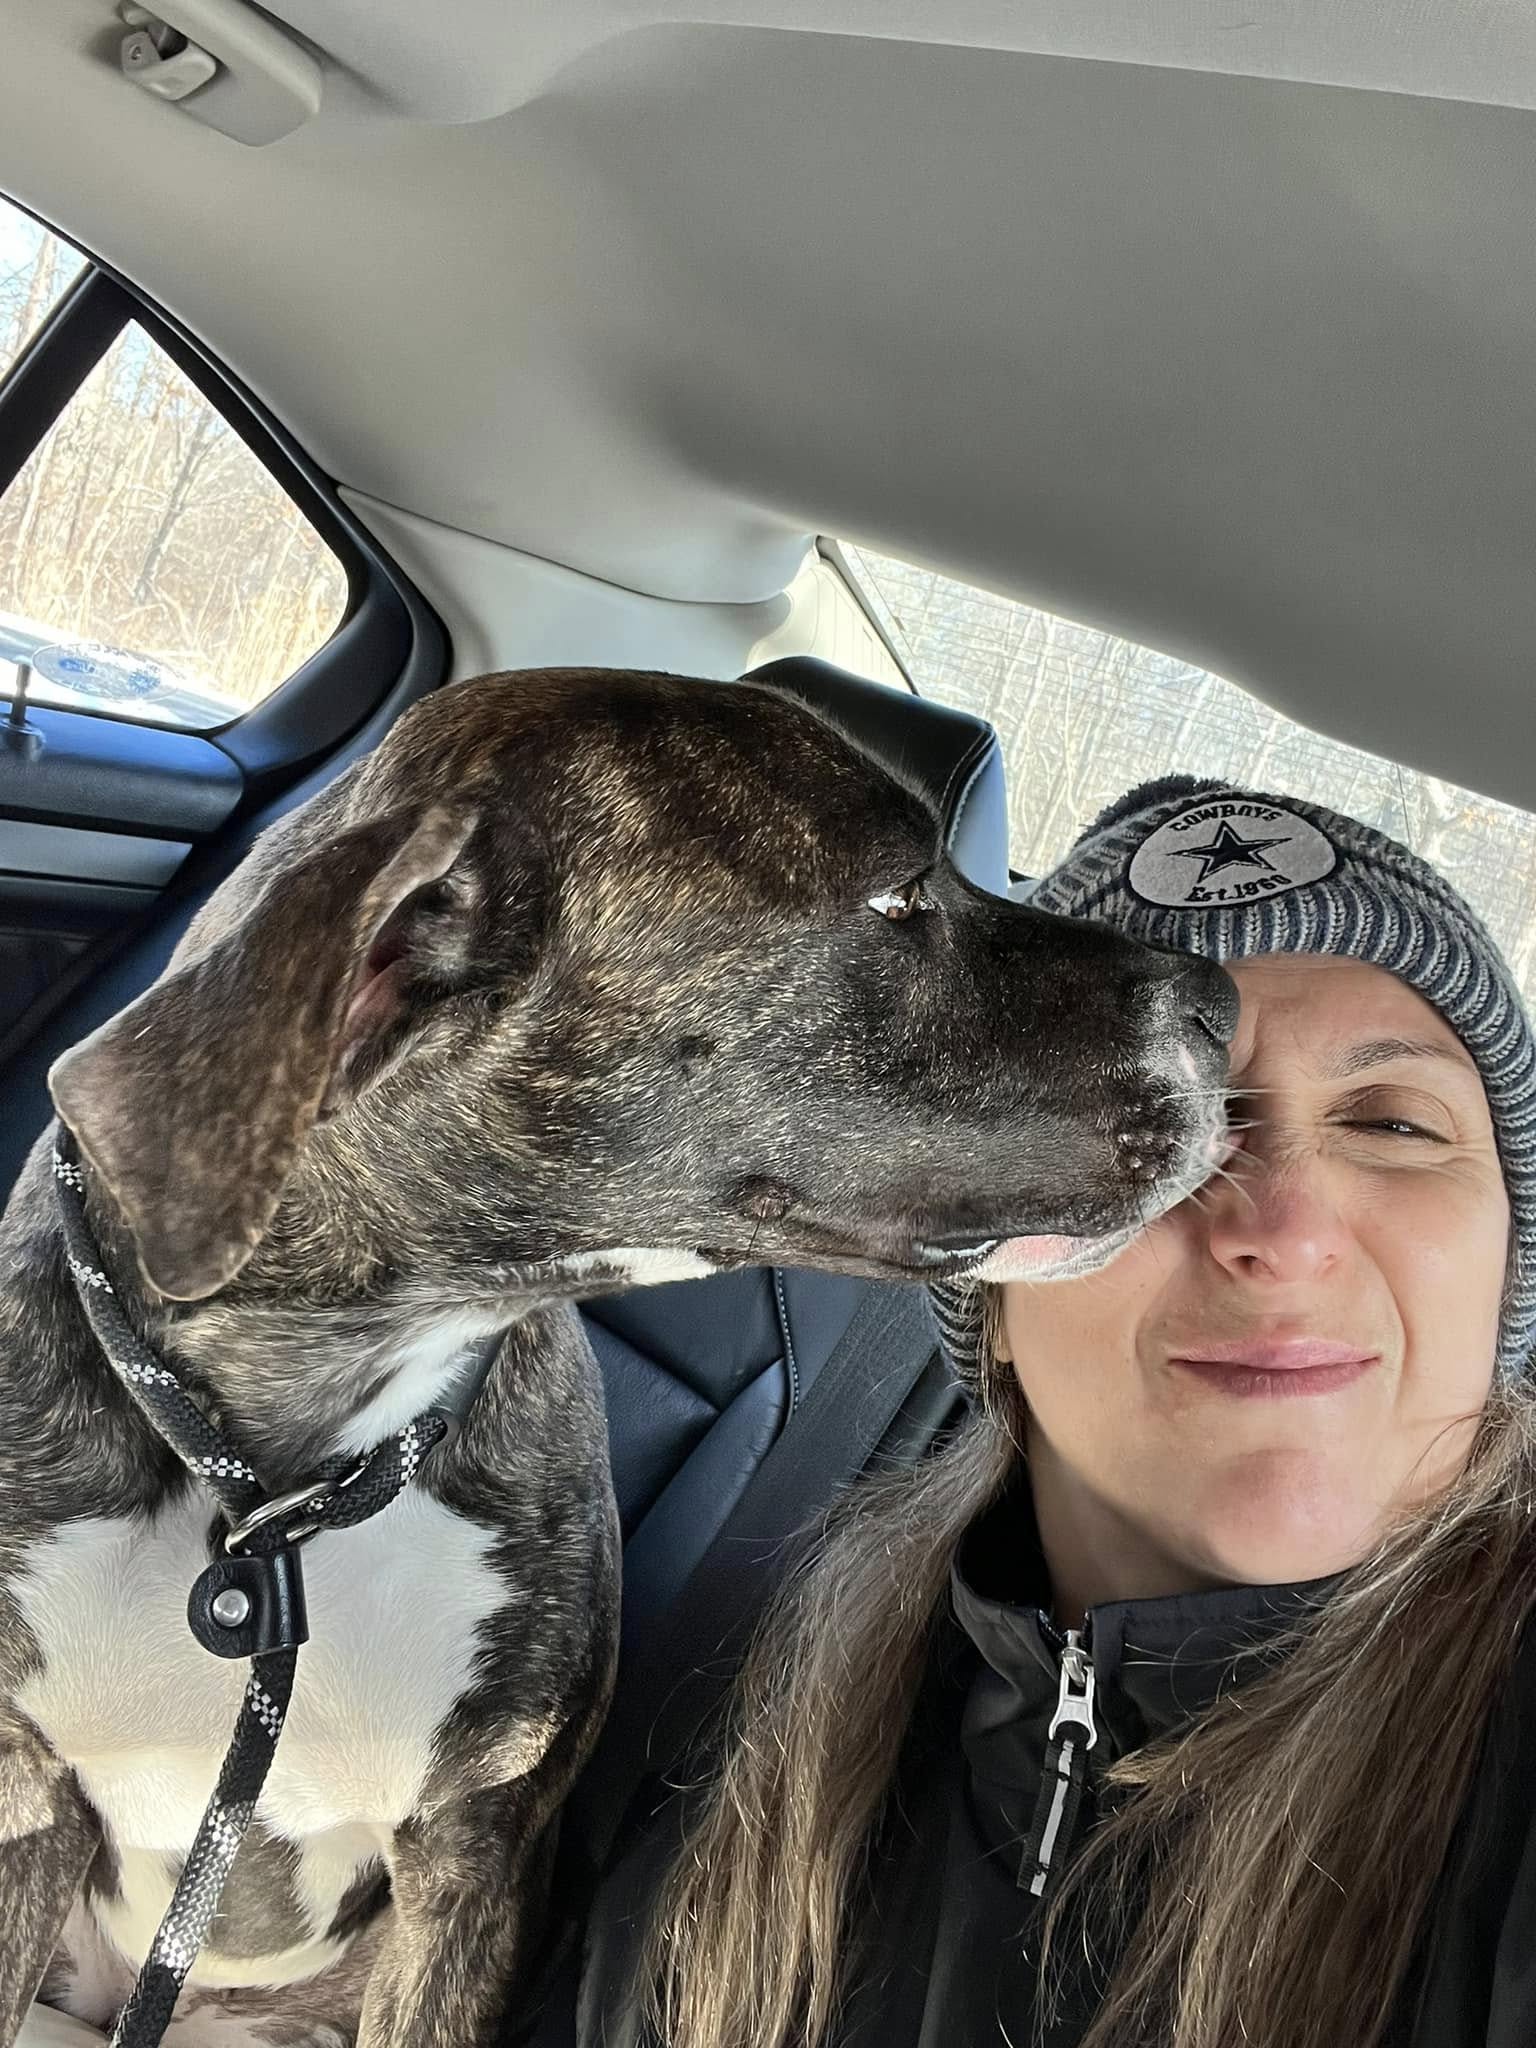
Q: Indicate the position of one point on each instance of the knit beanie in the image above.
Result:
(1227, 873)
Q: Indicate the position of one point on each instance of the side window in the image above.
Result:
(1083, 716)
(150, 566)
(36, 269)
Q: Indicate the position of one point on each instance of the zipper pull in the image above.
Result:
(1071, 1735)
(1074, 1702)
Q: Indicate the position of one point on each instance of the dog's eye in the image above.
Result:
(897, 904)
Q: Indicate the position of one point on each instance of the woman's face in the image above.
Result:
(1248, 1392)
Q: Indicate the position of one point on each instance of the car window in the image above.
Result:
(150, 565)
(36, 269)
(1083, 716)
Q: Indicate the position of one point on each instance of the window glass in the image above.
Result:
(150, 566)
(1083, 716)
(36, 269)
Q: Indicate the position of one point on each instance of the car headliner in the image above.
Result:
(1212, 325)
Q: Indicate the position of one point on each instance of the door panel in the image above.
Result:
(122, 777)
(46, 927)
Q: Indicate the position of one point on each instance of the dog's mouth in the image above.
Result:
(953, 1256)
(1058, 1256)
(965, 1246)
(922, 1252)
(896, 1249)
(1049, 1258)
(1016, 1258)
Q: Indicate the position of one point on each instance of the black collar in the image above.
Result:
(343, 1491)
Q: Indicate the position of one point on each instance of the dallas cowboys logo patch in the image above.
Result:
(1229, 850)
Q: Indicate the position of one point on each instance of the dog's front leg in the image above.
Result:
(470, 1884)
(48, 1836)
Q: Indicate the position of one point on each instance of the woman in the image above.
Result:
(1183, 1696)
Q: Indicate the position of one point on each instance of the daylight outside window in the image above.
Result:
(150, 566)
(1083, 716)
(36, 269)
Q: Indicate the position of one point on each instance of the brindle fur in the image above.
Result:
(575, 961)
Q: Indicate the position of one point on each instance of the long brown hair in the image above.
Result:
(1293, 1836)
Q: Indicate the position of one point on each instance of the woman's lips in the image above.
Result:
(1277, 1368)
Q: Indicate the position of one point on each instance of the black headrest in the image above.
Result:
(951, 754)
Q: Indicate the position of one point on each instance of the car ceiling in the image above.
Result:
(1213, 325)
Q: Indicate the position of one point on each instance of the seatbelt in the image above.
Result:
(670, 1689)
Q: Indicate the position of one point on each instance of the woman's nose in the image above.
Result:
(1274, 1221)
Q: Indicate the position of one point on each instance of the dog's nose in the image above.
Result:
(1200, 993)
(1208, 997)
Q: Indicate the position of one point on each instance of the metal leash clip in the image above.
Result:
(274, 1510)
(248, 1603)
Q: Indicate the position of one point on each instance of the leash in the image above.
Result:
(248, 1601)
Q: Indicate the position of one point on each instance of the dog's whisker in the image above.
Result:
(1233, 1181)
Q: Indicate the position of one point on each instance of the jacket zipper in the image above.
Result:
(1072, 1733)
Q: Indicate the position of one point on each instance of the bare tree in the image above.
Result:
(1083, 716)
(143, 520)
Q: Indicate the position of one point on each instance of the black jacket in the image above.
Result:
(946, 1956)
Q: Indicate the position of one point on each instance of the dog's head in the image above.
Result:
(579, 967)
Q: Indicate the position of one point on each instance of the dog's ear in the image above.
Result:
(193, 1102)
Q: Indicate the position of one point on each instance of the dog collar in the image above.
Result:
(344, 1491)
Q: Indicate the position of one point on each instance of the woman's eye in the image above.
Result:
(898, 904)
(1391, 1113)
(1395, 1127)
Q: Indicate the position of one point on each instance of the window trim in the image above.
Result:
(45, 378)
(388, 639)
(831, 551)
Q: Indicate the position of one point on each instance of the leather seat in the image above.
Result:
(701, 1377)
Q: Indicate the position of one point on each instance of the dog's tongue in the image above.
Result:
(1048, 1258)
(1027, 1258)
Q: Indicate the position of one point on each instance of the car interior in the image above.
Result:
(1055, 394)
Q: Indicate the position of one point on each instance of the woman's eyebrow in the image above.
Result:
(1376, 1052)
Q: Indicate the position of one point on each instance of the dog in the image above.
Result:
(582, 980)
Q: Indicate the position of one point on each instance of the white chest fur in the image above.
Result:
(144, 1714)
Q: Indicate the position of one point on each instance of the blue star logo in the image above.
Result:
(1229, 849)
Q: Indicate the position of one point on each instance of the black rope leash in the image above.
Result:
(248, 1602)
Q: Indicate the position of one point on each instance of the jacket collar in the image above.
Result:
(1157, 1663)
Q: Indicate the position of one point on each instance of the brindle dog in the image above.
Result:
(582, 979)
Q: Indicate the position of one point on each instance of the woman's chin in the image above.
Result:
(1274, 1528)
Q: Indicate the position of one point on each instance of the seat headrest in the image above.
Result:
(952, 755)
